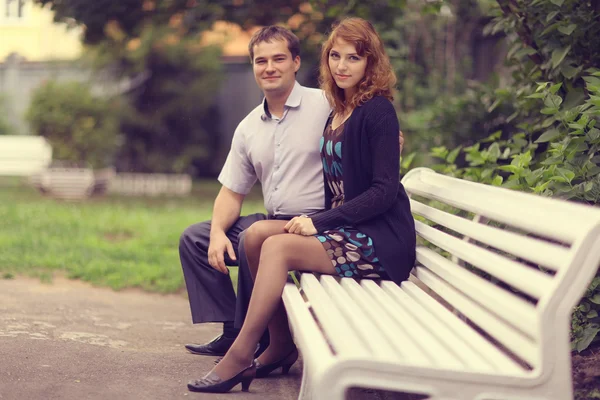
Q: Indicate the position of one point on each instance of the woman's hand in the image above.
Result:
(301, 225)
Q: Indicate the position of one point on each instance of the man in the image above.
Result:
(278, 144)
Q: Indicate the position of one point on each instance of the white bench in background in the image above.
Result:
(23, 155)
(402, 338)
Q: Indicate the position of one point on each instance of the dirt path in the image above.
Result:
(67, 340)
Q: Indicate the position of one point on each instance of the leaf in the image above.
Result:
(596, 298)
(440, 152)
(567, 71)
(453, 154)
(551, 16)
(497, 181)
(589, 334)
(536, 96)
(494, 105)
(567, 30)
(548, 136)
(558, 55)
(407, 161)
(553, 101)
(567, 174)
(554, 88)
(549, 110)
(541, 86)
(557, 2)
(494, 151)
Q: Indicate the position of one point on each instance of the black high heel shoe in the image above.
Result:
(285, 364)
(211, 383)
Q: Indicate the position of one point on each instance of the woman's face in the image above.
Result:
(346, 66)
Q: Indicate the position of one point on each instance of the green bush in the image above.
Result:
(82, 129)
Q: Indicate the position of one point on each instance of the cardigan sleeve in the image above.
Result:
(382, 130)
(328, 193)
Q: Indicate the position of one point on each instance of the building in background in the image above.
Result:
(33, 48)
(29, 30)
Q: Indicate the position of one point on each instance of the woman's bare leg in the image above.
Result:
(279, 254)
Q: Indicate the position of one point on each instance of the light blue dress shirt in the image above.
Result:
(283, 154)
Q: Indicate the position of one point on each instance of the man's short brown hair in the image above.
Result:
(273, 32)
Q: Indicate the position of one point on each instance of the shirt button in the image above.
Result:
(275, 189)
(278, 144)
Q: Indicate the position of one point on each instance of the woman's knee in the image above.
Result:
(275, 246)
(255, 235)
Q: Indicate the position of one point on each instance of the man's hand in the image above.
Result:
(401, 142)
(302, 225)
(219, 244)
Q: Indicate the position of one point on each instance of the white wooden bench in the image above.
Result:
(23, 155)
(449, 333)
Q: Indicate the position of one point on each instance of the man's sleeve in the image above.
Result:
(238, 174)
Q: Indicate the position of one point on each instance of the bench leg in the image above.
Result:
(304, 389)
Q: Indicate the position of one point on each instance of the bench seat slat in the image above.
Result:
(548, 255)
(381, 318)
(341, 336)
(506, 305)
(442, 336)
(439, 355)
(519, 344)
(362, 323)
(300, 318)
(531, 281)
(457, 327)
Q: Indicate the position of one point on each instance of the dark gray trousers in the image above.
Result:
(210, 292)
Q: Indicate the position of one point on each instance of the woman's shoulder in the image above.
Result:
(378, 105)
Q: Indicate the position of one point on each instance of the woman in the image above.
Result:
(366, 230)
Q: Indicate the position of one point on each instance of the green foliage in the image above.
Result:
(118, 242)
(168, 121)
(586, 319)
(548, 140)
(81, 128)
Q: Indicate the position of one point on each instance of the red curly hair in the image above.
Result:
(379, 79)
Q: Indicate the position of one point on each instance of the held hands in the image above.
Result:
(301, 225)
(219, 244)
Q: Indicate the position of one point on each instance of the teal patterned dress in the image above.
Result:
(350, 251)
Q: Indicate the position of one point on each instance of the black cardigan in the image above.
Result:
(375, 202)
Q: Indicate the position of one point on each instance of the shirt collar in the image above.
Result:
(293, 101)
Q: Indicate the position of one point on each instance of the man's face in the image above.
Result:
(274, 68)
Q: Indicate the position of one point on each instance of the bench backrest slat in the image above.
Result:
(528, 248)
(514, 310)
(531, 213)
(511, 338)
(529, 280)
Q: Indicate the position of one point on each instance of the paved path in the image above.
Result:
(67, 340)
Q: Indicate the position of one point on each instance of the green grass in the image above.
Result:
(120, 242)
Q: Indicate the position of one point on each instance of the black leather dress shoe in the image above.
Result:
(216, 347)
